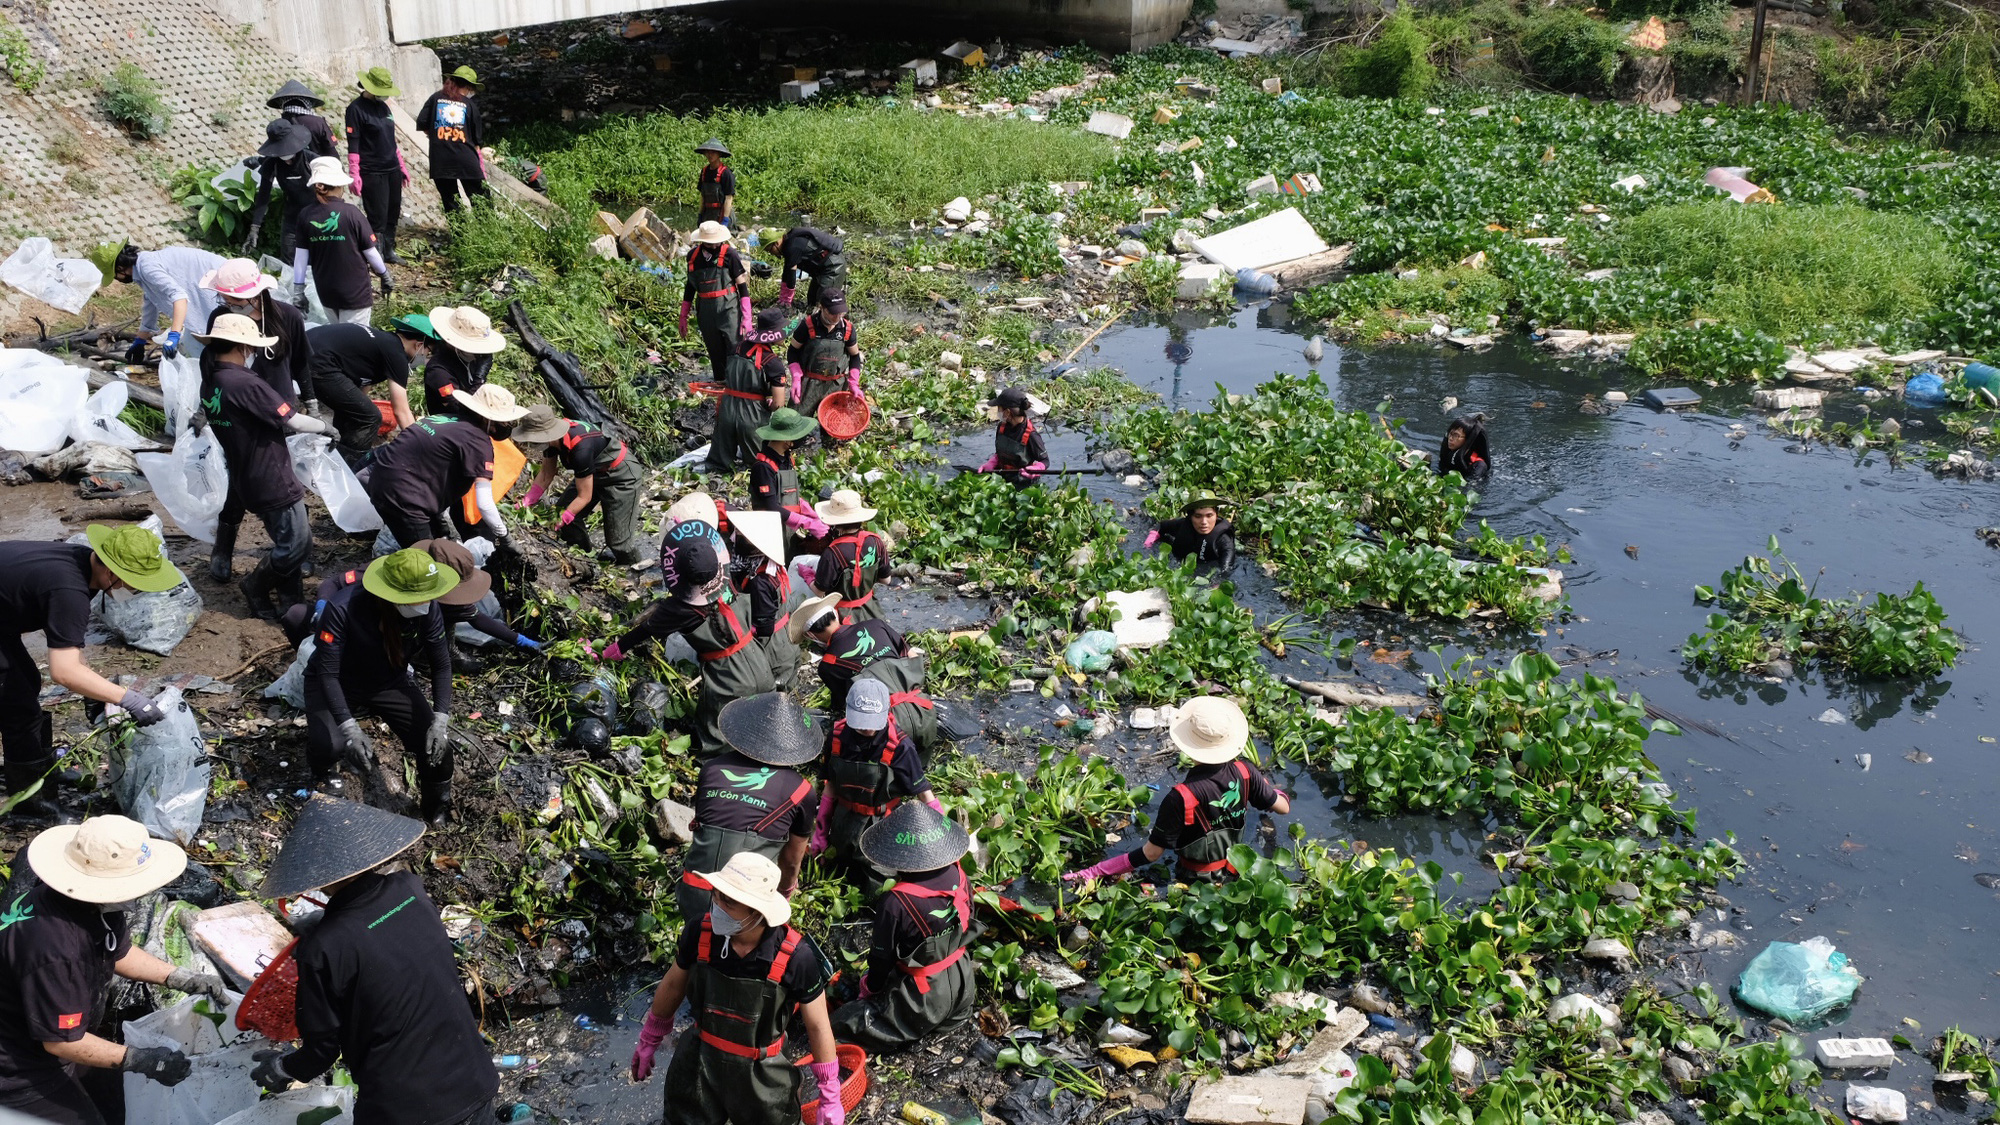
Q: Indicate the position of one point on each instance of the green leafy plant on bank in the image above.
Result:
(1770, 612)
(1710, 350)
(132, 100)
(218, 212)
(25, 69)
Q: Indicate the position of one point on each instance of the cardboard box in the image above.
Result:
(923, 70)
(965, 53)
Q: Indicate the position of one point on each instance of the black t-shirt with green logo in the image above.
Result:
(55, 964)
(250, 424)
(336, 235)
(738, 794)
(1222, 793)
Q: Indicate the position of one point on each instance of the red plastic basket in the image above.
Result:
(388, 410)
(270, 1007)
(853, 1084)
(844, 415)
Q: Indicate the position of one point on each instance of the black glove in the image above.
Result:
(388, 284)
(164, 1065)
(250, 240)
(137, 352)
(504, 550)
(198, 421)
(270, 1071)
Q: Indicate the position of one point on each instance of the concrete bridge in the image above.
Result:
(343, 36)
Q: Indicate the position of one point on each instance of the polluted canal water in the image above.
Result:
(1881, 859)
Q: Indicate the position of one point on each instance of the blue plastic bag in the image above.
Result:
(1925, 388)
(1798, 982)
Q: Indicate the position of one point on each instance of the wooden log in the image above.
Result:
(1311, 269)
(1352, 695)
(145, 396)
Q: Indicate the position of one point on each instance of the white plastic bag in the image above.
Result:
(291, 1106)
(66, 283)
(152, 622)
(99, 421)
(320, 469)
(314, 312)
(160, 776)
(180, 387)
(39, 399)
(291, 687)
(220, 1085)
(191, 482)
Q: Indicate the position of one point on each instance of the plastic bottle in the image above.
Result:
(508, 1062)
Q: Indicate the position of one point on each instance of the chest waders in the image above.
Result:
(740, 410)
(864, 791)
(825, 367)
(712, 847)
(1220, 821)
(860, 569)
(732, 667)
(730, 1069)
(938, 987)
(709, 182)
(779, 651)
(717, 311)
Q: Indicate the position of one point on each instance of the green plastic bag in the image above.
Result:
(1092, 651)
(1798, 982)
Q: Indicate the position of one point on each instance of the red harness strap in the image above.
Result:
(814, 332)
(693, 878)
(776, 976)
(897, 699)
(1192, 814)
(889, 747)
(854, 541)
(961, 899)
(743, 636)
(572, 438)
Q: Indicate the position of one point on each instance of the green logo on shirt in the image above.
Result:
(1230, 797)
(327, 226)
(754, 780)
(17, 913)
(945, 912)
(862, 647)
(868, 559)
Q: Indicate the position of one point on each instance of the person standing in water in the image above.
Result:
(1464, 450)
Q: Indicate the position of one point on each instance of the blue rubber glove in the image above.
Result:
(137, 352)
(527, 642)
(172, 346)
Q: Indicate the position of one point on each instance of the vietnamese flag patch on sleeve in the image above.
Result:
(284, 410)
(69, 1021)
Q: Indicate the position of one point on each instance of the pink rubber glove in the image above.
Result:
(405, 164)
(1033, 471)
(809, 570)
(866, 990)
(785, 294)
(854, 381)
(568, 517)
(1152, 537)
(534, 496)
(684, 318)
(930, 798)
(749, 321)
(798, 378)
(611, 652)
(651, 1034)
(1117, 865)
(354, 170)
(991, 464)
(819, 840)
(831, 1110)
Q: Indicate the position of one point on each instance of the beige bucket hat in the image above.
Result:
(752, 880)
(491, 402)
(844, 507)
(711, 233)
(327, 170)
(235, 328)
(467, 329)
(1210, 730)
(697, 506)
(809, 609)
(104, 859)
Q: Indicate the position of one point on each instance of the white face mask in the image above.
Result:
(723, 923)
(420, 609)
(122, 594)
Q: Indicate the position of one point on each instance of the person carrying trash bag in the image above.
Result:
(752, 798)
(757, 573)
(872, 767)
(378, 982)
(816, 254)
(360, 661)
(717, 290)
(338, 245)
(855, 558)
(62, 939)
(48, 587)
(432, 465)
(285, 159)
(716, 184)
(753, 386)
(774, 482)
(700, 607)
(603, 475)
(1202, 817)
(919, 980)
(824, 356)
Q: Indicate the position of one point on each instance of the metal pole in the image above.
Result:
(1756, 56)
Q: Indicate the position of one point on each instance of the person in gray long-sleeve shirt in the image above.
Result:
(169, 281)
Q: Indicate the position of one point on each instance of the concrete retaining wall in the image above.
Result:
(340, 38)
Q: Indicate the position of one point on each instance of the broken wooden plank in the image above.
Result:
(1351, 695)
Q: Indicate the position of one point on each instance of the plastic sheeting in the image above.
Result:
(99, 421)
(320, 469)
(40, 397)
(66, 283)
(191, 482)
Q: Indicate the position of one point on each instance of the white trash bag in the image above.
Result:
(99, 421)
(160, 775)
(40, 396)
(180, 387)
(292, 1106)
(323, 471)
(291, 687)
(66, 283)
(220, 1084)
(191, 482)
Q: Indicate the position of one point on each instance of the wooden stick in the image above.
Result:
(1108, 322)
(1349, 696)
(256, 660)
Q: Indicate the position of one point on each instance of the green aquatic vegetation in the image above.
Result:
(1396, 64)
(1016, 83)
(1380, 304)
(1962, 1053)
(1769, 611)
(1041, 824)
(1710, 350)
(1025, 243)
(1759, 1084)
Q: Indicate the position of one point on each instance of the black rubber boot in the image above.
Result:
(257, 590)
(436, 805)
(630, 557)
(67, 777)
(42, 807)
(222, 557)
(291, 590)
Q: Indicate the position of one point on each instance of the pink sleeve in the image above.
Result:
(405, 162)
(354, 168)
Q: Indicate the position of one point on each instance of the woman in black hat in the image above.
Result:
(297, 104)
(919, 980)
(285, 158)
(1019, 454)
(716, 184)
(739, 807)
(378, 983)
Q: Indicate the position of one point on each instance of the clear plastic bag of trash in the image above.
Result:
(154, 622)
(99, 421)
(1799, 982)
(160, 775)
(291, 687)
(220, 1084)
(66, 283)
(180, 389)
(1092, 651)
(191, 482)
(294, 1106)
(320, 469)
(40, 396)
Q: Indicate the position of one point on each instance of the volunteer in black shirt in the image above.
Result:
(450, 119)
(1464, 450)
(432, 465)
(360, 660)
(716, 184)
(817, 254)
(753, 385)
(349, 359)
(1018, 451)
(334, 236)
(603, 473)
(752, 798)
(1202, 817)
(287, 364)
(851, 648)
(48, 587)
(871, 767)
(373, 158)
(757, 573)
(746, 973)
(378, 983)
(460, 604)
(774, 481)
(285, 159)
(251, 423)
(300, 106)
(1201, 532)
(718, 292)
(825, 353)
(855, 558)
(62, 939)
(467, 343)
(919, 980)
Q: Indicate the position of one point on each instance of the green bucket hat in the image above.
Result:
(786, 425)
(416, 322)
(468, 76)
(135, 555)
(104, 256)
(378, 81)
(407, 577)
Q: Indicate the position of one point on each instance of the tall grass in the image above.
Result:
(1789, 270)
(856, 164)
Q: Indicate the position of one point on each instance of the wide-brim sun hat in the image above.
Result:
(1210, 730)
(473, 583)
(492, 402)
(710, 233)
(135, 555)
(803, 616)
(468, 76)
(328, 172)
(239, 278)
(786, 424)
(762, 530)
(408, 577)
(1200, 502)
(335, 839)
(105, 859)
(378, 81)
(772, 728)
(752, 880)
(844, 507)
(713, 144)
(235, 328)
(541, 424)
(283, 140)
(467, 329)
(295, 89)
(697, 506)
(915, 837)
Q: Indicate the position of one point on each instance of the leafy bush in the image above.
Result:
(1395, 65)
(132, 100)
(1708, 351)
(1570, 51)
(1025, 243)
(219, 212)
(25, 69)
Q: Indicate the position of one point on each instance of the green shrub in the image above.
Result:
(1953, 87)
(1395, 65)
(1569, 51)
(1708, 351)
(24, 68)
(132, 100)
